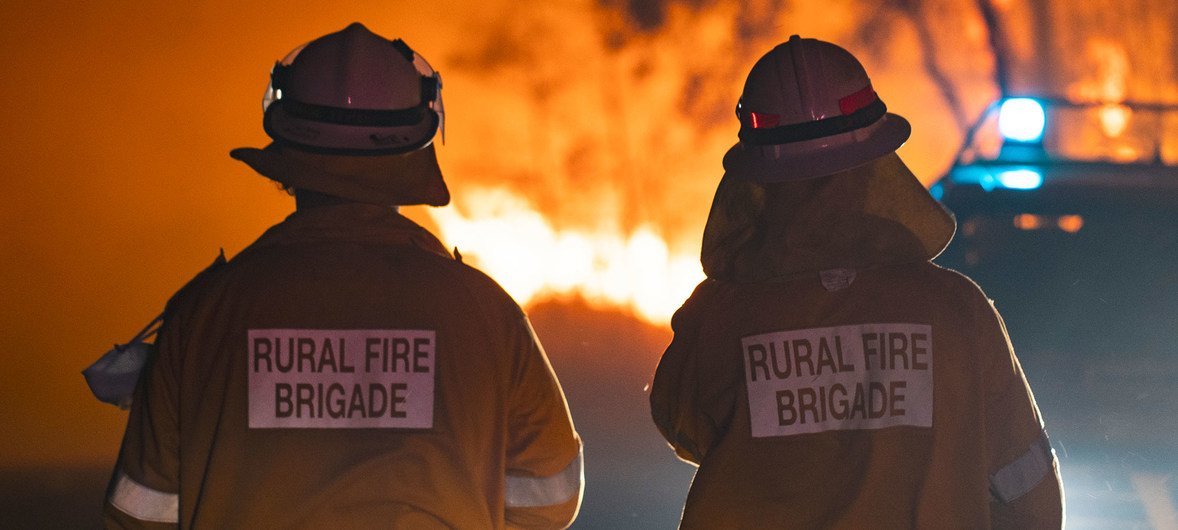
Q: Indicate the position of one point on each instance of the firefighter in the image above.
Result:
(345, 371)
(826, 374)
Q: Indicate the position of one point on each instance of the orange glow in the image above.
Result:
(601, 184)
(1028, 221)
(506, 237)
(1114, 69)
(582, 150)
(1104, 75)
(1114, 119)
(1107, 82)
(1125, 153)
(1070, 223)
(970, 228)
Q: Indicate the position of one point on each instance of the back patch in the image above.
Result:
(341, 379)
(865, 376)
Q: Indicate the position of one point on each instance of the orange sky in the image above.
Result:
(119, 116)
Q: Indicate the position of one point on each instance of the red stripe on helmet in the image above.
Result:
(858, 100)
(761, 120)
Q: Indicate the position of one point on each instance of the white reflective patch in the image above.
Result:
(530, 492)
(1018, 477)
(144, 503)
(865, 376)
(339, 379)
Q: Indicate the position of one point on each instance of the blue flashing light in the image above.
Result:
(1020, 179)
(990, 178)
(937, 191)
(1022, 120)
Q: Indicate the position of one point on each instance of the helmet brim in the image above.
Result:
(748, 161)
(391, 180)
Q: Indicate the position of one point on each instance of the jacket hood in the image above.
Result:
(385, 180)
(873, 214)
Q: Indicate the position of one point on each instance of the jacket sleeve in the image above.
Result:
(674, 393)
(1025, 485)
(143, 491)
(545, 477)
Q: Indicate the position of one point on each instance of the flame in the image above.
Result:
(552, 101)
(1114, 119)
(1107, 82)
(506, 237)
(591, 143)
(1111, 86)
(1103, 75)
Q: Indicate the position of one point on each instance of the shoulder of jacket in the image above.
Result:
(479, 285)
(202, 278)
(695, 307)
(959, 288)
(707, 288)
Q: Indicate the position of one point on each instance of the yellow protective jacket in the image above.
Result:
(344, 371)
(827, 375)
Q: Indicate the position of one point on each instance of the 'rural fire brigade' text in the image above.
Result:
(316, 378)
(866, 376)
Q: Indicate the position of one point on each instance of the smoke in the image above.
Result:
(616, 114)
(589, 135)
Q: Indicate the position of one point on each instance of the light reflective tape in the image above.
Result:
(531, 492)
(144, 503)
(1018, 477)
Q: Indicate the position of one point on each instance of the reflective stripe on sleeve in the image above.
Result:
(530, 492)
(144, 503)
(1022, 475)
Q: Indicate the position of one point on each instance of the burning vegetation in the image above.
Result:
(592, 133)
(610, 121)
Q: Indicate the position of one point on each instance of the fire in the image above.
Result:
(1114, 119)
(589, 138)
(1109, 85)
(506, 237)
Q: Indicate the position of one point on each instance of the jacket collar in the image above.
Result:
(358, 222)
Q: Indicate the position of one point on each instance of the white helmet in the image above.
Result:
(808, 110)
(353, 92)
